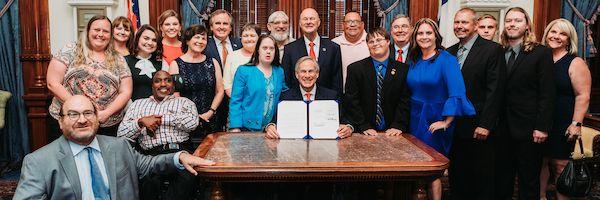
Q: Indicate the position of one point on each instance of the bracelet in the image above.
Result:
(213, 110)
(576, 123)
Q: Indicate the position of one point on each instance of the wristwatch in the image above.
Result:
(576, 123)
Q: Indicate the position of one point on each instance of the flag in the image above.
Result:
(446, 12)
(133, 13)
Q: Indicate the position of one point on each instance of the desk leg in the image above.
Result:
(217, 192)
(420, 190)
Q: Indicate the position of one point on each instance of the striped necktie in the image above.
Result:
(379, 121)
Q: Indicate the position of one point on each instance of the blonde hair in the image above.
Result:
(564, 26)
(83, 52)
(529, 40)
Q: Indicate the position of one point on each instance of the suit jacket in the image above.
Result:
(529, 94)
(51, 173)
(212, 52)
(294, 94)
(330, 63)
(361, 97)
(248, 96)
(484, 73)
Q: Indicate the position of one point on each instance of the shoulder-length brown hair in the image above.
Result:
(529, 40)
(255, 59)
(163, 16)
(127, 24)
(414, 51)
(157, 54)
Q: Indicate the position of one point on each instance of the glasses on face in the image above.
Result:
(352, 22)
(375, 41)
(74, 115)
(399, 27)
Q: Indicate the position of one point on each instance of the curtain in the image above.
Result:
(14, 135)
(582, 15)
(195, 11)
(387, 9)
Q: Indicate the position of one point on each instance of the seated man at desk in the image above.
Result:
(161, 124)
(307, 72)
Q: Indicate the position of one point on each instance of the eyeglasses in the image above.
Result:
(73, 115)
(351, 22)
(403, 26)
(375, 41)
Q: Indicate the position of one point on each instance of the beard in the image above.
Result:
(280, 36)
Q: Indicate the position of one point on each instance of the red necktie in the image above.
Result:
(399, 59)
(307, 96)
(312, 50)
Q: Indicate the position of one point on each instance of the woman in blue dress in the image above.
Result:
(256, 88)
(438, 92)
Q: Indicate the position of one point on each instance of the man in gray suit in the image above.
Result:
(83, 165)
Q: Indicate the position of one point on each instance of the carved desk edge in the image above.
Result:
(320, 172)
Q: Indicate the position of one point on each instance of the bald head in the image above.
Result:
(309, 22)
(79, 120)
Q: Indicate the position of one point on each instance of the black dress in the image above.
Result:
(557, 146)
(198, 84)
(142, 84)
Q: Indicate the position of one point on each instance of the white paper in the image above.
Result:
(324, 119)
(292, 119)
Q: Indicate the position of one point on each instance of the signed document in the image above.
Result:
(324, 119)
(317, 120)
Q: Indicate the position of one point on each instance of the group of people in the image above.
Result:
(497, 110)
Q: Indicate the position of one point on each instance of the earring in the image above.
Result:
(179, 34)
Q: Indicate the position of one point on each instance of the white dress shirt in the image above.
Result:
(316, 47)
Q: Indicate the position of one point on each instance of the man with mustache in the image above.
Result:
(326, 52)
(307, 72)
(401, 30)
(483, 69)
(279, 27)
(353, 43)
(527, 113)
(83, 165)
(161, 124)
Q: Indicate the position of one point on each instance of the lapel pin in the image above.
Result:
(393, 71)
(324, 49)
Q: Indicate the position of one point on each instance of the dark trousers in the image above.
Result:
(472, 169)
(522, 158)
(182, 184)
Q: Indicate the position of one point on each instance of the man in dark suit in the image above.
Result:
(219, 46)
(326, 52)
(377, 97)
(307, 72)
(528, 112)
(401, 31)
(221, 43)
(83, 165)
(483, 68)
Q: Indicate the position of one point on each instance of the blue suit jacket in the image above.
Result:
(248, 95)
(212, 52)
(330, 63)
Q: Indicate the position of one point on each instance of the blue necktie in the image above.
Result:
(98, 187)
(379, 121)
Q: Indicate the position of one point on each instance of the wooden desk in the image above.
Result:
(403, 161)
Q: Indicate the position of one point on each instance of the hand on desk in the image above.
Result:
(189, 162)
(370, 132)
(271, 131)
(344, 131)
(393, 132)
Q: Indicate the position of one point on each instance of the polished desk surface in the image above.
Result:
(249, 154)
